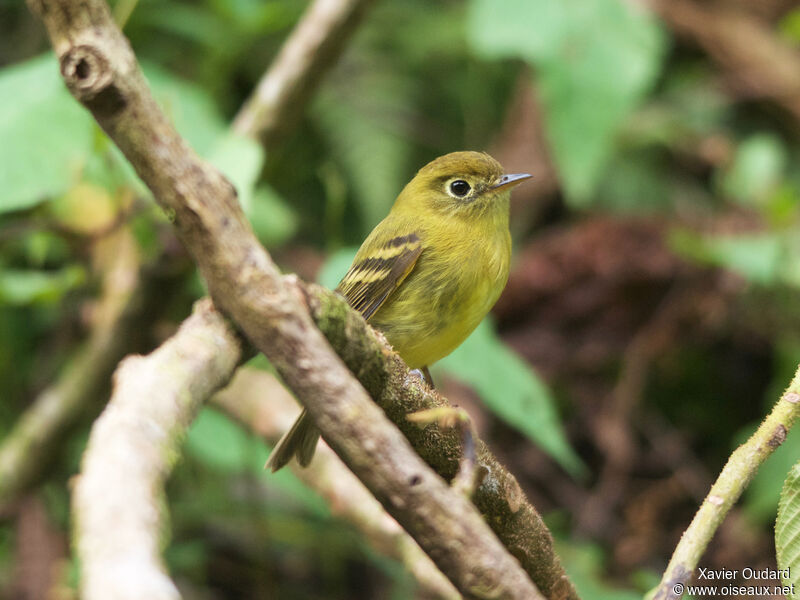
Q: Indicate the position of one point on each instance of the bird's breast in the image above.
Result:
(454, 284)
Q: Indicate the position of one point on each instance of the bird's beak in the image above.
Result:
(509, 181)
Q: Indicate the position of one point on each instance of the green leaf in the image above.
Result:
(594, 61)
(47, 135)
(191, 22)
(54, 137)
(756, 170)
(585, 566)
(272, 219)
(763, 258)
(761, 497)
(758, 257)
(335, 267)
(223, 445)
(217, 441)
(189, 107)
(787, 529)
(789, 26)
(20, 288)
(512, 391)
(506, 28)
(240, 159)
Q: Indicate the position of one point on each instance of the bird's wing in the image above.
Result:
(373, 278)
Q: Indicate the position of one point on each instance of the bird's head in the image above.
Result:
(466, 184)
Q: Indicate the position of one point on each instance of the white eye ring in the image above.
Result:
(459, 188)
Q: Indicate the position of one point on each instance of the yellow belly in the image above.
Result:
(437, 307)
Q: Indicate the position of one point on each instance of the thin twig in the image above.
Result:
(26, 449)
(284, 91)
(732, 481)
(468, 476)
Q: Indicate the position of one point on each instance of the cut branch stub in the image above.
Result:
(88, 75)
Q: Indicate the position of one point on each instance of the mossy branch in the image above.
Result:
(384, 375)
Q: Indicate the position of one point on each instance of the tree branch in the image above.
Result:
(25, 451)
(155, 400)
(281, 96)
(732, 481)
(118, 497)
(259, 402)
(100, 70)
(315, 45)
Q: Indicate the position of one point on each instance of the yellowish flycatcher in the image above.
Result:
(430, 271)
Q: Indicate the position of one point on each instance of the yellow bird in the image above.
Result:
(430, 271)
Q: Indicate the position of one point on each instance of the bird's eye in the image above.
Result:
(460, 188)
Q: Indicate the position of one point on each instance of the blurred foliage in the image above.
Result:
(594, 60)
(38, 113)
(512, 391)
(585, 569)
(224, 447)
(637, 122)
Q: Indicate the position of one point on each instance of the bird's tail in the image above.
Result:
(300, 441)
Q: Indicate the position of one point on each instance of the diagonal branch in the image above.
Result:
(500, 499)
(100, 70)
(282, 93)
(281, 96)
(25, 452)
(736, 475)
(285, 88)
